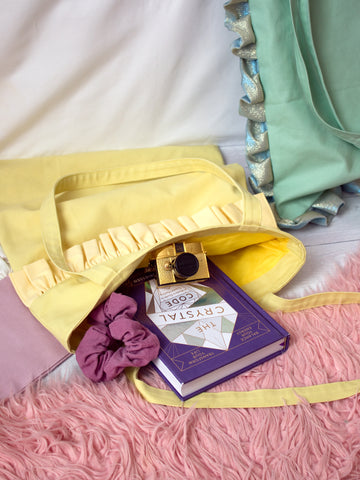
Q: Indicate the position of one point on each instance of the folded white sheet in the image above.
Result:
(93, 75)
(4, 264)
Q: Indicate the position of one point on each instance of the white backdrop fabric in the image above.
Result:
(86, 75)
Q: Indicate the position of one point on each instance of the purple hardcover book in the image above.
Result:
(209, 331)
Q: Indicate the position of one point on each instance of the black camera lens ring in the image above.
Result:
(185, 265)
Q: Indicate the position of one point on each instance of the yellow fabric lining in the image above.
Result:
(257, 254)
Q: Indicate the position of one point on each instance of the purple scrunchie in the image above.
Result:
(115, 341)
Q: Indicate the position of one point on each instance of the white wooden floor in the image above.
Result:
(327, 247)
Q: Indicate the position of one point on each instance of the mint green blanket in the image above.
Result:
(306, 64)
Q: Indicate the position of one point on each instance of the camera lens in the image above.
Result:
(185, 265)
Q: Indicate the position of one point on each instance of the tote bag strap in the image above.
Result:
(310, 74)
(268, 397)
(273, 303)
(261, 398)
(51, 231)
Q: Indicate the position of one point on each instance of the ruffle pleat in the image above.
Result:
(35, 279)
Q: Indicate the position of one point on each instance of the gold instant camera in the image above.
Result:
(181, 262)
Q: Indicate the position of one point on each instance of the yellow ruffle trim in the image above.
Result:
(34, 279)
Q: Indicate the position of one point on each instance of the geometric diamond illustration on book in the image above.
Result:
(190, 314)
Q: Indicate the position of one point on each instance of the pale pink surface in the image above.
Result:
(82, 430)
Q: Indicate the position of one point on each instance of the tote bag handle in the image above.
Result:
(52, 236)
(51, 230)
(267, 397)
(310, 74)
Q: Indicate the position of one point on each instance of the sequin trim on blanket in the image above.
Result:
(238, 20)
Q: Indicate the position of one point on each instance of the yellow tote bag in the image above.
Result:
(148, 206)
(98, 226)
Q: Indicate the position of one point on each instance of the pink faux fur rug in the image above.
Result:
(84, 431)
